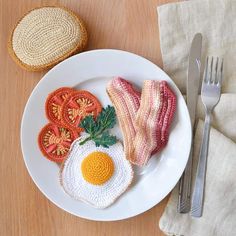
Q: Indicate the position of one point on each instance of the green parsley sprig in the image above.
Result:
(98, 129)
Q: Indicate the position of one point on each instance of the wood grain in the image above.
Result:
(125, 24)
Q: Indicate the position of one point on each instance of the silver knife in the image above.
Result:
(193, 82)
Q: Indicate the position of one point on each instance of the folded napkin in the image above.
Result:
(219, 212)
(224, 115)
(178, 23)
(216, 20)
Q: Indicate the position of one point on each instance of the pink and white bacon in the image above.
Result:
(126, 101)
(144, 120)
(153, 119)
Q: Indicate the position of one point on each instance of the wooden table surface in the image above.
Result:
(122, 24)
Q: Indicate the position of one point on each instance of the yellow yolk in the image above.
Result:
(97, 168)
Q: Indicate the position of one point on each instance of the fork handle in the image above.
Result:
(198, 193)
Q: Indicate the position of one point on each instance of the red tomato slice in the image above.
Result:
(78, 105)
(54, 141)
(54, 104)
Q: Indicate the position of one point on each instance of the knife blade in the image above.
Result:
(193, 82)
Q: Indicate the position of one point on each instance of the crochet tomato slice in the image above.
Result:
(54, 104)
(54, 141)
(78, 105)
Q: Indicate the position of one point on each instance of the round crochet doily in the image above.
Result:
(46, 36)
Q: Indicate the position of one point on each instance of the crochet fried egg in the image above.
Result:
(96, 175)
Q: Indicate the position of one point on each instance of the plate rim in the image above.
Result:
(41, 81)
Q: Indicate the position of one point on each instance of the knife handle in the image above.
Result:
(184, 200)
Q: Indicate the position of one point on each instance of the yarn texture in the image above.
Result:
(54, 102)
(102, 195)
(97, 168)
(54, 141)
(126, 100)
(46, 36)
(144, 119)
(153, 120)
(77, 106)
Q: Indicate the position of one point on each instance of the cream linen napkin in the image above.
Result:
(219, 214)
(216, 20)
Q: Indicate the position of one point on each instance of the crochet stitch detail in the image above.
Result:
(145, 120)
(78, 105)
(99, 196)
(126, 101)
(54, 141)
(97, 168)
(54, 102)
(153, 120)
(45, 36)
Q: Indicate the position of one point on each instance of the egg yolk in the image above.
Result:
(97, 168)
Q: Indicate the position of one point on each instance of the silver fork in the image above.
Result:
(210, 94)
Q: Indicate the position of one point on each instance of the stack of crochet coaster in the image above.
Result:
(46, 36)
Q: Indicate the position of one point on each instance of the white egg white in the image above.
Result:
(99, 196)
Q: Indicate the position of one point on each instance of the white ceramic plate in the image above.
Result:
(91, 70)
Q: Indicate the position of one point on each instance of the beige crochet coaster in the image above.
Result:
(45, 36)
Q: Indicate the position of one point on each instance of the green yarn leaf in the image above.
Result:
(105, 140)
(98, 129)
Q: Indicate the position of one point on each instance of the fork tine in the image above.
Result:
(206, 70)
(221, 72)
(211, 70)
(216, 79)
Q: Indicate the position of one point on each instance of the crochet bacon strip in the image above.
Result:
(126, 101)
(166, 114)
(153, 120)
(144, 120)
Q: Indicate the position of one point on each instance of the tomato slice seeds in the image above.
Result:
(54, 141)
(78, 105)
(54, 102)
